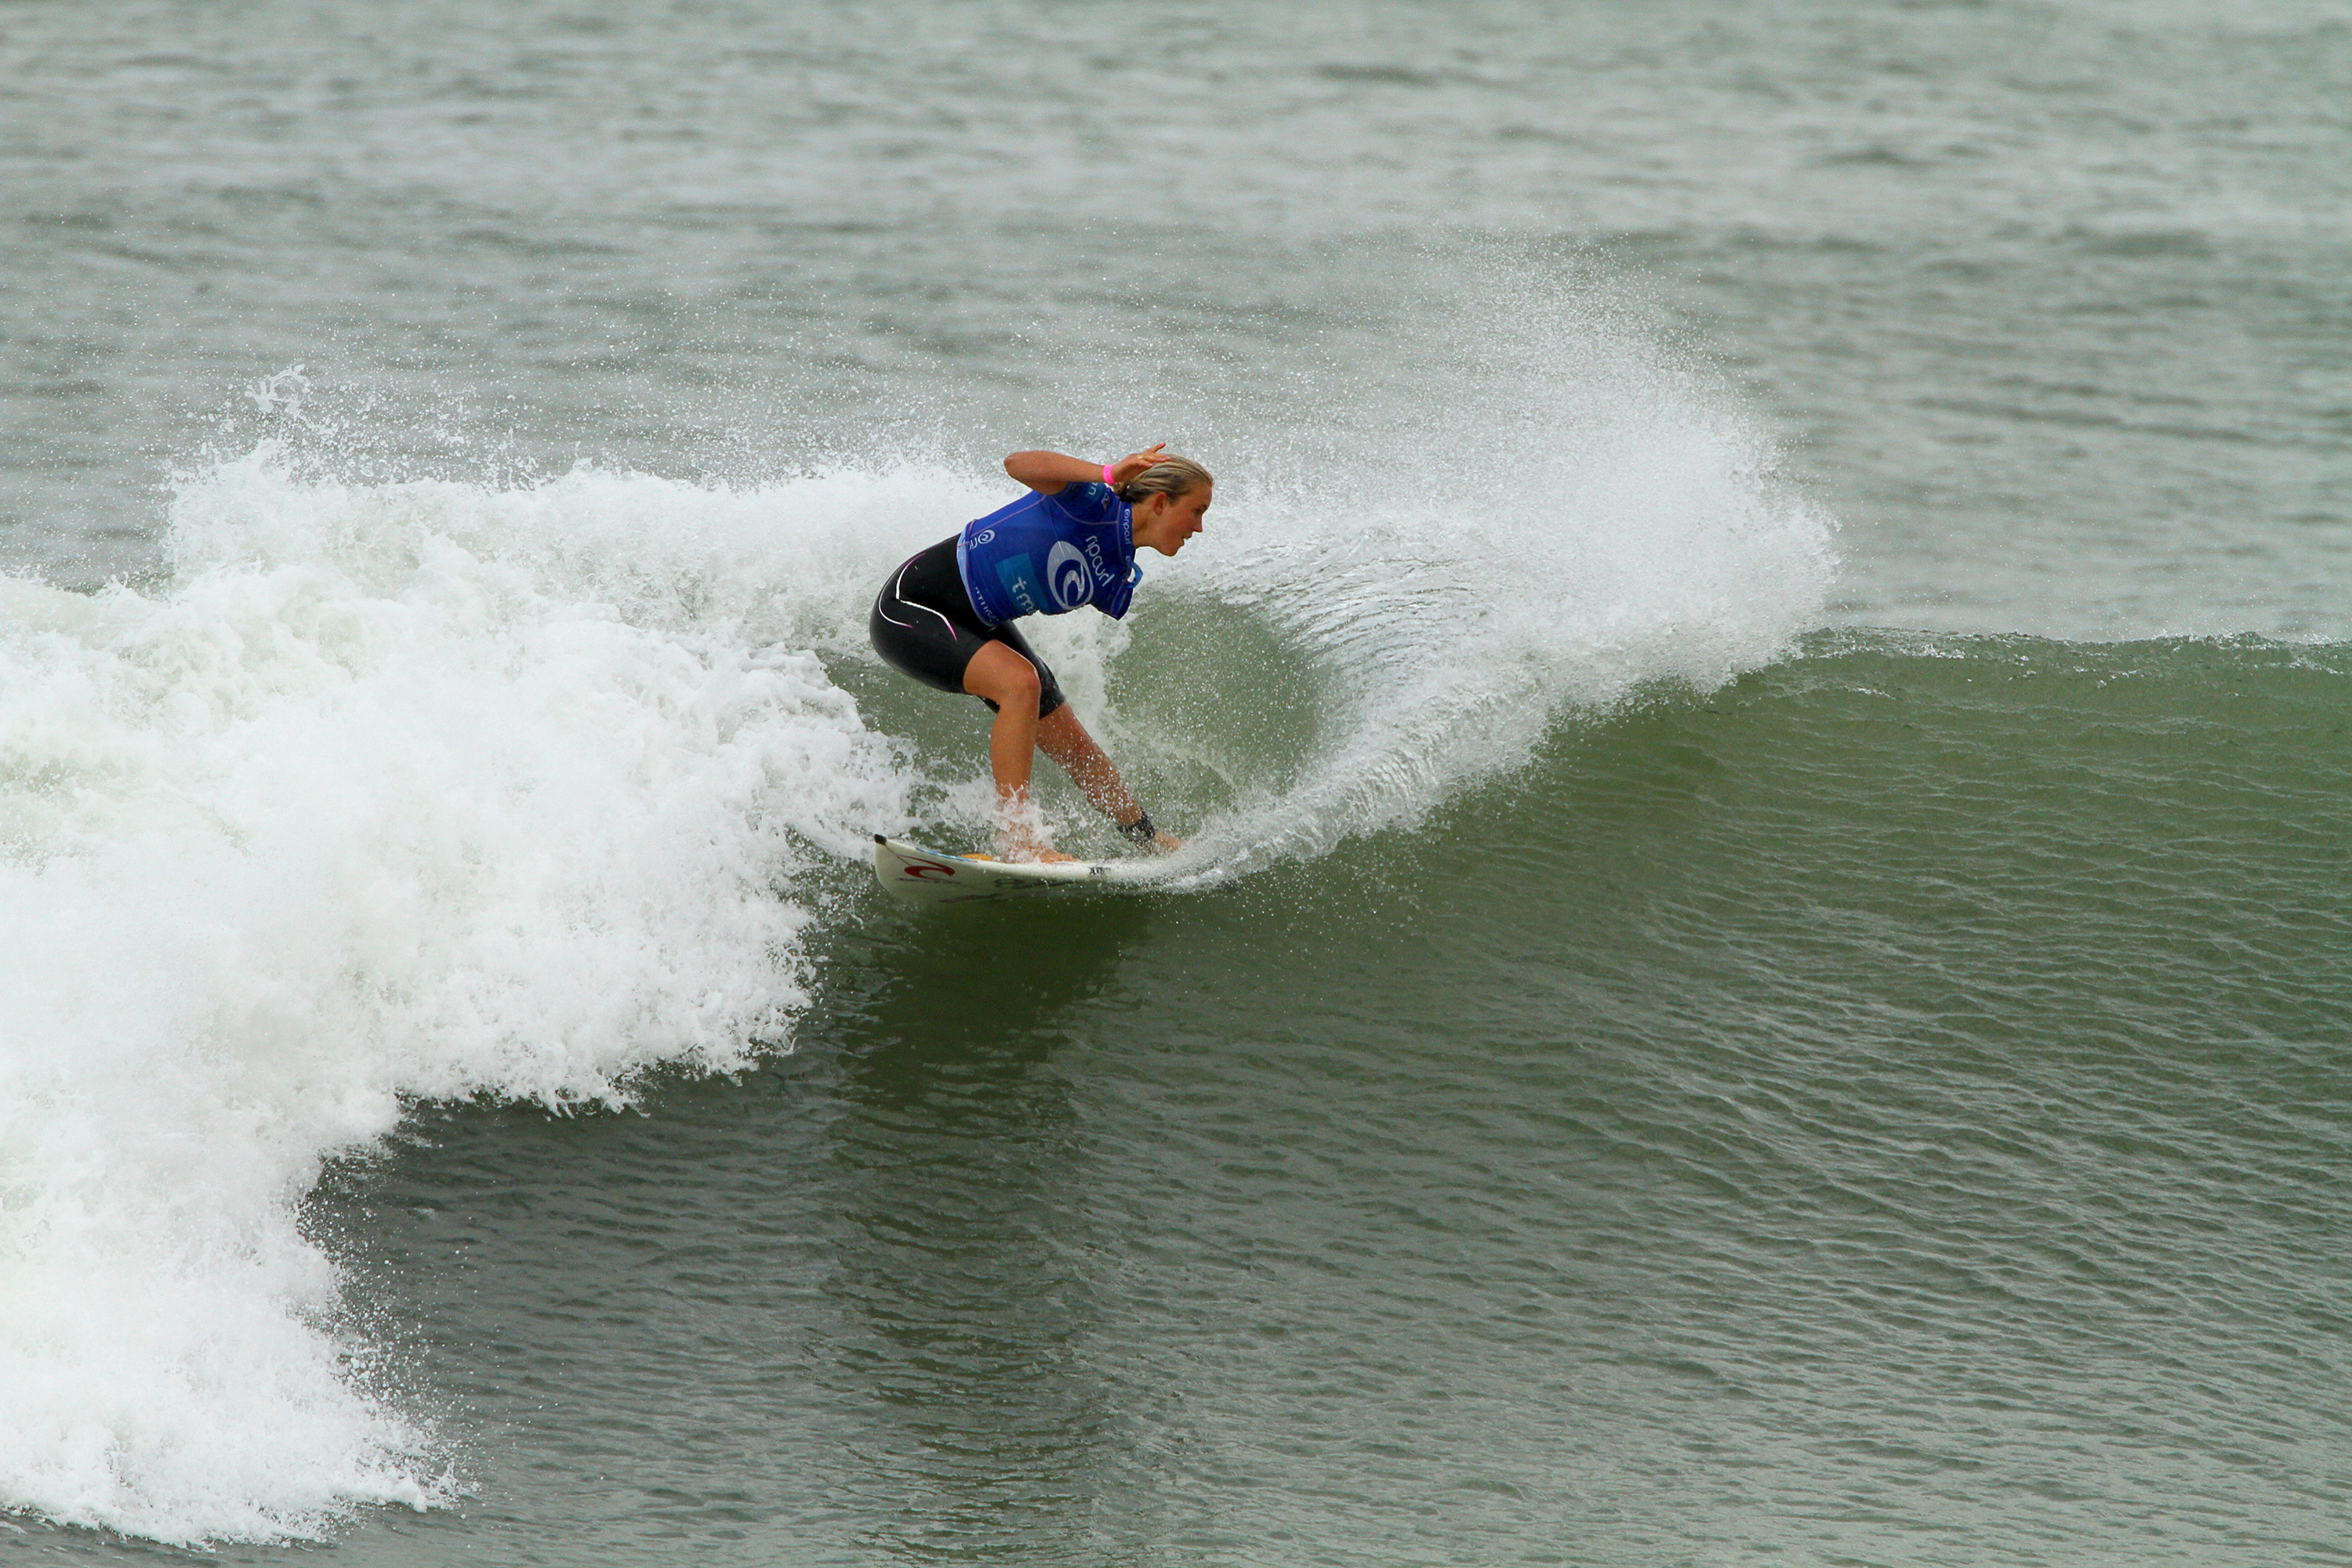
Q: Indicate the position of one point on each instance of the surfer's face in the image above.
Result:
(1164, 521)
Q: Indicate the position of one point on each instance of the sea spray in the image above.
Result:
(1544, 506)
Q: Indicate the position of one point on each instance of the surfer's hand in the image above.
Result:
(1166, 844)
(1134, 463)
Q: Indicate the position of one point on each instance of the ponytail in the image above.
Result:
(1167, 477)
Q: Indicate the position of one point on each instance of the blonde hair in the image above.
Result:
(1167, 477)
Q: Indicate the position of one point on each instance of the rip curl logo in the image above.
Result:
(1067, 576)
(983, 536)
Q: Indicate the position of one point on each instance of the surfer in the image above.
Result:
(945, 616)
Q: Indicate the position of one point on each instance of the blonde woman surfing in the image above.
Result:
(946, 617)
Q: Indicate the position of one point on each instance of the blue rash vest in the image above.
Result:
(1046, 555)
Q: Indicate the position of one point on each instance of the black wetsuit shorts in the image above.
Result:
(923, 625)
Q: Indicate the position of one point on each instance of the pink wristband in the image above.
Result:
(1107, 479)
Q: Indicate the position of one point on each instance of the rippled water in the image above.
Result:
(1762, 715)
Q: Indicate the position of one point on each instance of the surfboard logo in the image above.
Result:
(1067, 576)
(923, 871)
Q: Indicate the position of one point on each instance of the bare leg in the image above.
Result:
(1010, 681)
(1067, 741)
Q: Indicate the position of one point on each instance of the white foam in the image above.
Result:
(420, 790)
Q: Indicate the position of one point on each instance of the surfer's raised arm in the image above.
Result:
(1049, 473)
(945, 616)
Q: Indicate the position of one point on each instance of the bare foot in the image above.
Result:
(1025, 850)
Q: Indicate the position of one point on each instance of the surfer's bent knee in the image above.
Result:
(924, 627)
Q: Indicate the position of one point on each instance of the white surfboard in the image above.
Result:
(928, 876)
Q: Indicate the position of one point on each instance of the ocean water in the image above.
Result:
(1763, 964)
